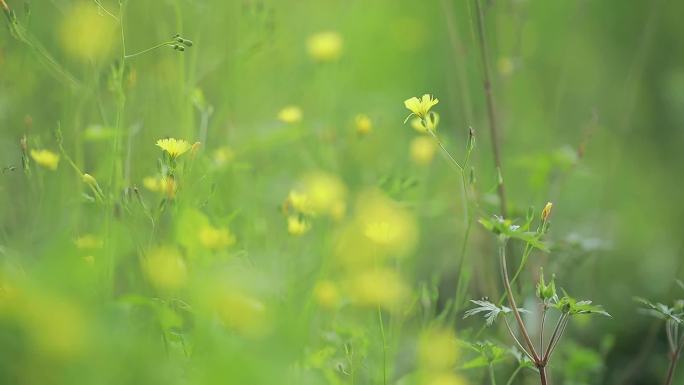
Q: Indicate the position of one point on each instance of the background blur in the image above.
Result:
(590, 101)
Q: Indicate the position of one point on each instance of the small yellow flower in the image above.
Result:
(165, 268)
(45, 158)
(223, 155)
(325, 46)
(420, 107)
(174, 147)
(382, 287)
(214, 238)
(300, 202)
(290, 114)
(152, 183)
(88, 241)
(297, 226)
(327, 294)
(423, 150)
(546, 212)
(425, 125)
(363, 124)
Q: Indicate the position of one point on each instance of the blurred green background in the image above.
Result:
(590, 101)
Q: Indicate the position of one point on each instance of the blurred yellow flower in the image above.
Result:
(326, 194)
(85, 33)
(505, 66)
(56, 326)
(437, 349)
(242, 313)
(390, 227)
(216, 238)
(327, 294)
(325, 46)
(166, 185)
(290, 114)
(223, 155)
(420, 107)
(165, 268)
(423, 150)
(378, 287)
(300, 202)
(45, 158)
(88, 241)
(364, 125)
(174, 147)
(296, 225)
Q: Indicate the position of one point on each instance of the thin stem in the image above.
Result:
(513, 375)
(554, 336)
(516, 338)
(555, 343)
(160, 45)
(493, 127)
(446, 152)
(674, 357)
(492, 378)
(541, 329)
(384, 347)
(99, 4)
(511, 301)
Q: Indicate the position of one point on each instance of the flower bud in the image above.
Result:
(546, 212)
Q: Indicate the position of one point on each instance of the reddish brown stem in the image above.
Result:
(674, 357)
(542, 375)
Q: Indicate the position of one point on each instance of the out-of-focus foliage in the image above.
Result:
(297, 231)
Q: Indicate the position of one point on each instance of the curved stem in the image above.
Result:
(516, 339)
(511, 302)
(445, 151)
(512, 377)
(160, 45)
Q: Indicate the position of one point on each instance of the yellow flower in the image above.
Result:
(290, 114)
(166, 185)
(174, 147)
(423, 150)
(45, 158)
(424, 125)
(326, 194)
(546, 212)
(420, 107)
(325, 46)
(165, 268)
(326, 294)
(243, 313)
(223, 155)
(363, 124)
(88, 241)
(437, 349)
(300, 202)
(86, 33)
(382, 287)
(297, 226)
(216, 238)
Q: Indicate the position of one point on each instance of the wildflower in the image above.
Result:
(363, 124)
(326, 294)
(165, 268)
(326, 194)
(546, 212)
(165, 185)
(296, 225)
(89, 180)
(243, 313)
(214, 238)
(290, 114)
(391, 228)
(86, 34)
(45, 158)
(88, 241)
(425, 125)
(325, 46)
(223, 155)
(378, 287)
(174, 147)
(300, 202)
(437, 349)
(423, 150)
(420, 107)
